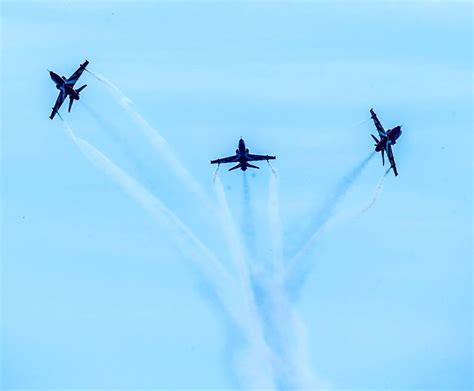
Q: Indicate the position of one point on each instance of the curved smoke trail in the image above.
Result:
(114, 136)
(344, 216)
(157, 141)
(204, 260)
(299, 266)
(377, 191)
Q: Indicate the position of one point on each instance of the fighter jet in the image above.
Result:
(242, 157)
(66, 88)
(387, 139)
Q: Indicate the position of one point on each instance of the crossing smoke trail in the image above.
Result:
(299, 266)
(262, 378)
(287, 336)
(192, 248)
(284, 327)
(157, 141)
(253, 371)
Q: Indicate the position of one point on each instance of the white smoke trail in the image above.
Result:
(248, 225)
(293, 363)
(377, 191)
(297, 268)
(275, 223)
(214, 176)
(289, 335)
(263, 377)
(345, 216)
(204, 260)
(157, 141)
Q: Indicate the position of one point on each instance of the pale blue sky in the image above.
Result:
(96, 295)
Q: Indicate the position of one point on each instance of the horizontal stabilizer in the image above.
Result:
(81, 88)
(235, 167)
(251, 165)
(375, 139)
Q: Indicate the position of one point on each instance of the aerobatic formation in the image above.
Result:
(274, 332)
(242, 156)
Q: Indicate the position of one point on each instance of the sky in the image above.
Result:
(128, 263)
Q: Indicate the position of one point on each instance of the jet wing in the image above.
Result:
(59, 102)
(391, 159)
(377, 123)
(230, 159)
(76, 75)
(252, 158)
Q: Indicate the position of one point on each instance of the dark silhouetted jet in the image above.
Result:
(242, 157)
(387, 139)
(66, 88)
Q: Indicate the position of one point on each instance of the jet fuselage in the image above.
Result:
(62, 86)
(242, 152)
(392, 136)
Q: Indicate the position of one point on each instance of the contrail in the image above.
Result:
(297, 268)
(157, 141)
(204, 260)
(253, 331)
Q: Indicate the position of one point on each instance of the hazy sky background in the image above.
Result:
(97, 295)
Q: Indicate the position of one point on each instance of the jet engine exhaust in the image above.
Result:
(214, 176)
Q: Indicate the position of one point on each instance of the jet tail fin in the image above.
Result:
(383, 157)
(71, 100)
(251, 165)
(81, 88)
(394, 168)
(235, 167)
